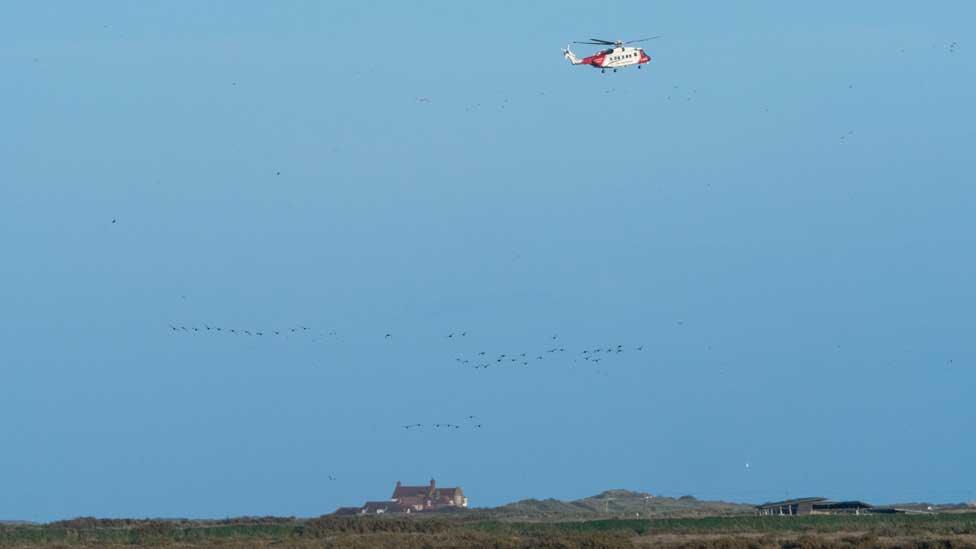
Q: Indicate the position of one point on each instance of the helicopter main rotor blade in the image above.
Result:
(593, 43)
(601, 41)
(641, 40)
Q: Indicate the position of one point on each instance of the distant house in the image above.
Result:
(428, 498)
(813, 506)
(411, 499)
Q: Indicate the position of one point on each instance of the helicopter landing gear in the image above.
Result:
(614, 70)
(603, 71)
(639, 66)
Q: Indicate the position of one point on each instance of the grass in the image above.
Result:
(810, 531)
(962, 523)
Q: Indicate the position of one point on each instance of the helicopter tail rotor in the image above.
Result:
(570, 56)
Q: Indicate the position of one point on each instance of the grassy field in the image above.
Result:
(944, 530)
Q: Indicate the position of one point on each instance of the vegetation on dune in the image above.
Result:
(887, 525)
(944, 530)
(619, 503)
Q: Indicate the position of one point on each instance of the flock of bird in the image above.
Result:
(483, 360)
(444, 426)
(243, 331)
(204, 328)
(480, 360)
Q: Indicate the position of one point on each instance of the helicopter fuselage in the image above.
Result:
(615, 58)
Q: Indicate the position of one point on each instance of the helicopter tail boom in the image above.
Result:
(568, 54)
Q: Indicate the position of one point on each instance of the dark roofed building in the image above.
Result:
(380, 507)
(811, 506)
(801, 506)
(843, 507)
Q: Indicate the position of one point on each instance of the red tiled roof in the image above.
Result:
(421, 493)
(410, 491)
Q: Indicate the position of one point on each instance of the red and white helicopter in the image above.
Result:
(616, 57)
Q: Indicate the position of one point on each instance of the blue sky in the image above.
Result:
(778, 208)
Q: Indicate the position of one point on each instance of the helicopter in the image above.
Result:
(618, 56)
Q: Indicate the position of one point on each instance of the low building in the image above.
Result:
(381, 507)
(812, 506)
